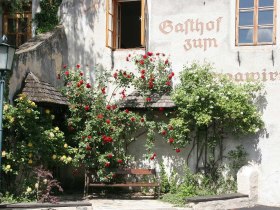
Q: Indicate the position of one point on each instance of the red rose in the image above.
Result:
(119, 160)
(142, 76)
(170, 127)
(103, 90)
(88, 85)
(168, 83)
(171, 140)
(166, 62)
(114, 107)
(100, 116)
(157, 54)
(107, 164)
(170, 76)
(115, 75)
(127, 111)
(144, 56)
(143, 71)
(163, 132)
(152, 158)
(161, 109)
(148, 99)
(64, 66)
(66, 73)
(89, 137)
(81, 74)
(172, 73)
(108, 121)
(108, 107)
(78, 84)
(88, 147)
(87, 107)
(141, 62)
(78, 66)
(149, 53)
(110, 155)
(178, 150)
(142, 119)
(132, 119)
(129, 55)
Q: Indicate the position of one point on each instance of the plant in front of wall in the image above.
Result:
(16, 6)
(47, 18)
(211, 108)
(237, 159)
(99, 129)
(30, 140)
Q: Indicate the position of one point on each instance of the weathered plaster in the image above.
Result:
(84, 43)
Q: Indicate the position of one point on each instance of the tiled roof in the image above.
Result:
(136, 100)
(42, 92)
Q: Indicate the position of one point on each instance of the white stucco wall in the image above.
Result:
(85, 23)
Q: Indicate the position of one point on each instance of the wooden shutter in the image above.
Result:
(143, 23)
(111, 23)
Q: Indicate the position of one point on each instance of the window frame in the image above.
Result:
(112, 34)
(17, 33)
(255, 26)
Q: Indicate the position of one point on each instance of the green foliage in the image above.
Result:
(100, 131)
(204, 99)
(164, 183)
(30, 140)
(209, 109)
(47, 19)
(198, 184)
(237, 159)
(17, 6)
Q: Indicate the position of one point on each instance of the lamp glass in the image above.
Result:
(3, 56)
(11, 53)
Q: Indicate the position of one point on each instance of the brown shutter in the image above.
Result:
(143, 23)
(110, 23)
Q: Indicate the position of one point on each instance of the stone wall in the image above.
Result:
(44, 56)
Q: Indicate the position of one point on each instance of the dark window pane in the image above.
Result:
(265, 3)
(22, 25)
(265, 34)
(246, 3)
(11, 39)
(245, 36)
(11, 25)
(22, 39)
(266, 17)
(246, 18)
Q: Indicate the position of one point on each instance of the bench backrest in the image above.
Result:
(136, 171)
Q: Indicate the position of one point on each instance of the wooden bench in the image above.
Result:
(125, 173)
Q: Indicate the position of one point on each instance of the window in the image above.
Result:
(255, 22)
(125, 24)
(17, 28)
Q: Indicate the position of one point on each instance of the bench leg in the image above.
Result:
(86, 184)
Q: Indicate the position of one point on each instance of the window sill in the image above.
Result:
(130, 49)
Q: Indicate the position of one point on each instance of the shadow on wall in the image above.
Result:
(178, 161)
(44, 56)
(80, 18)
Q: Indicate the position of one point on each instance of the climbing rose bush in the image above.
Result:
(101, 130)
